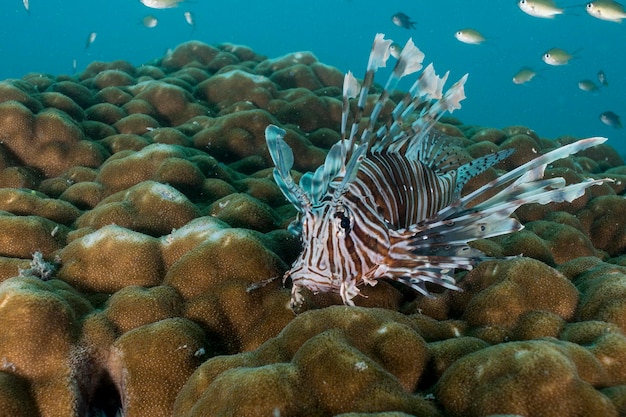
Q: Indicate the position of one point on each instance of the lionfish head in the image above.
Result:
(325, 222)
(325, 235)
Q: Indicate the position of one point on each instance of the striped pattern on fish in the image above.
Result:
(387, 202)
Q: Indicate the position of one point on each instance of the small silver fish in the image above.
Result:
(611, 119)
(26, 5)
(161, 4)
(524, 75)
(546, 9)
(90, 39)
(470, 36)
(587, 85)
(602, 78)
(402, 20)
(149, 21)
(190, 19)
(395, 50)
(608, 10)
(557, 56)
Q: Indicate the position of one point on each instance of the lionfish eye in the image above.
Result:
(344, 221)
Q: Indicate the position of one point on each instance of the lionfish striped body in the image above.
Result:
(387, 203)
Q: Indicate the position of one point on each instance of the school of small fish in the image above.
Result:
(607, 10)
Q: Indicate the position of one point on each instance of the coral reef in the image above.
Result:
(143, 243)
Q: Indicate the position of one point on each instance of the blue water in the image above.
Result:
(340, 33)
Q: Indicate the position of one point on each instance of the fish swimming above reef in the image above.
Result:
(191, 20)
(90, 39)
(524, 75)
(395, 50)
(161, 4)
(546, 9)
(587, 85)
(608, 10)
(602, 78)
(387, 201)
(611, 119)
(402, 20)
(557, 56)
(149, 21)
(469, 36)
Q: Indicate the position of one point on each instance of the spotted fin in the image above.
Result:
(476, 167)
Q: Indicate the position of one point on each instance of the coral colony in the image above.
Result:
(143, 229)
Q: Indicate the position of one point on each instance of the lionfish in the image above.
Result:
(387, 203)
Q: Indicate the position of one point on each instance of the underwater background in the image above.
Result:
(53, 35)
(143, 233)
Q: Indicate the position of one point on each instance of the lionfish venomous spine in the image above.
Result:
(387, 202)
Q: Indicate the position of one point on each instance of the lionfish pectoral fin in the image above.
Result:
(297, 299)
(530, 171)
(316, 184)
(348, 291)
(417, 278)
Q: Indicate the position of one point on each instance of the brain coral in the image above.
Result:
(147, 193)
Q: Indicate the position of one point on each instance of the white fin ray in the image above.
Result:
(409, 61)
(429, 84)
(380, 52)
(350, 90)
(535, 166)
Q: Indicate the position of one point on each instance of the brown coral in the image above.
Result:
(151, 189)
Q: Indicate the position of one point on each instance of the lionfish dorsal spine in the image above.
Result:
(409, 61)
(377, 59)
(350, 91)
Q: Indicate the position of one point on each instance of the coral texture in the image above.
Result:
(143, 244)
